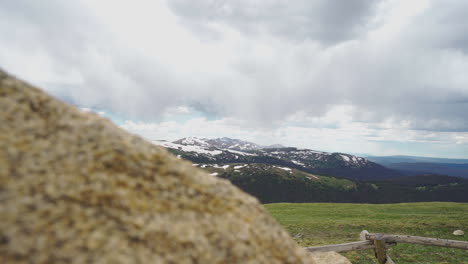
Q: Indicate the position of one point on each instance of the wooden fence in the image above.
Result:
(380, 242)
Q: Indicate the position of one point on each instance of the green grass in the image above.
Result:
(328, 223)
(337, 183)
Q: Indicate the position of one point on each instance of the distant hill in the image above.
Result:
(226, 150)
(385, 160)
(410, 165)
(272, 184)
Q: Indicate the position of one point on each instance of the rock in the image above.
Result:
(458, 233)
(329, 257)
(75, 188)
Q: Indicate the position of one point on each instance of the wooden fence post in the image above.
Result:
(380, 250)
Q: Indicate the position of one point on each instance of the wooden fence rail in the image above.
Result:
(427, 241)
(360, 245)
(380, 242)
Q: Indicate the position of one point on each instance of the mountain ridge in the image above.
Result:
(292, 174)
(224, 143)
(226, 150)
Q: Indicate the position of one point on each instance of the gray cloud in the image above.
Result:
(307, 56)
(442, 26)
(327, 21)
(61, 29)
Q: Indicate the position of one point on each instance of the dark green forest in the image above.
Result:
(272, 186)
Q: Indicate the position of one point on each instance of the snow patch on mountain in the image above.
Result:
(240, 152)
(283, 168)
(220, 167)
(297, 162)
(353, 160)
(187, 148)
(345, 158)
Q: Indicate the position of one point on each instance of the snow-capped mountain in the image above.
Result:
(305, 175)
(194, 141)
(223, 143)
(196, 147)
(237, 144)
(199, 150)
(226, 150)
(312, 158)
(335, 164)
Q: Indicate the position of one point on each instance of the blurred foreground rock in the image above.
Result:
(329, 257)
(75, 188)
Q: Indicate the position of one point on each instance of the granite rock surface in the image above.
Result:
(75, 188)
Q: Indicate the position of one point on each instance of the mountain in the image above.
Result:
(223, 143)
(200, 151)
(335, 164)
(226, 150)
(194, 141)
(304, 175)
(411, 165)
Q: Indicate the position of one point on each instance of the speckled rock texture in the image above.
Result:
(75, 188)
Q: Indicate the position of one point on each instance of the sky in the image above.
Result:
(383, 77)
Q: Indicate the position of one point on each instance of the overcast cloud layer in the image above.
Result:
(390, 70)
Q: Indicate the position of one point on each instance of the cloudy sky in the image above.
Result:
(378, 77)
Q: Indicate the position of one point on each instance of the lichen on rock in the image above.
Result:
(75, 188)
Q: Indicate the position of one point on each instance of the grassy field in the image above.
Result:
(328, 223)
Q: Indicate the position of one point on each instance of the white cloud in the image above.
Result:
(364, 71)
(345, 136)
(179, 110)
